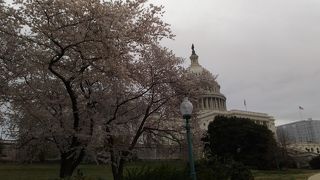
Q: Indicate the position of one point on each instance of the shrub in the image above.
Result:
(315, 163)
(242, 140)
(213, 169)
(209, 169)
(239, 172)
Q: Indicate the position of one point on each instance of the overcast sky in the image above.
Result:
(265, 51)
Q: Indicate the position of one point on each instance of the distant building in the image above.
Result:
(307, 131)
(302, 135)
(8, 150)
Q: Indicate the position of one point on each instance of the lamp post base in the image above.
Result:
(190, 153)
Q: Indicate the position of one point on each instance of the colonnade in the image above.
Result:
(212, 103)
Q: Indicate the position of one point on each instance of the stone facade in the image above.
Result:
(206, 117)
(305, 147)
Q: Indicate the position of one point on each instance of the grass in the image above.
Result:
(50, 171)
(290, 174)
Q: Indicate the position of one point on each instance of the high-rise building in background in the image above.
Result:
(301, 135)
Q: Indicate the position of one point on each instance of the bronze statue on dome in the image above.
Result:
(193, 52)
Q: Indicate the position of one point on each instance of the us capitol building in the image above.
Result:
(212, 102)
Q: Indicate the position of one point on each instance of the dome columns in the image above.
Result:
(212, 103)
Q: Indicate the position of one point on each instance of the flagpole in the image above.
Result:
(300, 114)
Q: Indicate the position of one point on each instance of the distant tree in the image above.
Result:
(285, 160)
(1, 147)
(283, 138)
(242, 140)
(283, 141)
(37, 151)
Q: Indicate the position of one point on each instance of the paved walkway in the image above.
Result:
(315, 177)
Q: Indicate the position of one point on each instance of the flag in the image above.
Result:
(244, 102)
(301, 108)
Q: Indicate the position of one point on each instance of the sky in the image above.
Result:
(266, 52)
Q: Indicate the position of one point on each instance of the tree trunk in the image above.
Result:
(117, 166)
(68, 163)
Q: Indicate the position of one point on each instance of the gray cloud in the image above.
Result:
(266, 52)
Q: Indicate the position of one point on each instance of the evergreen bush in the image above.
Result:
(315, 163)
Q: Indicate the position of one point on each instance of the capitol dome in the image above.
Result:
(210, 97)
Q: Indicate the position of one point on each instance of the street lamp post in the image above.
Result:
(186, 110)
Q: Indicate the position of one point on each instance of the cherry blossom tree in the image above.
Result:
(89, 75)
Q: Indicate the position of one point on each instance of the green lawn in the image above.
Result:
(50, 171)
(291, 174)
(47, 171)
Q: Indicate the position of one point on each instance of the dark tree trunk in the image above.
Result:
(68, 163)
(117, 166)
(42, 156)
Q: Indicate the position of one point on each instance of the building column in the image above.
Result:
(222, 104)
(207, 104)
(212, 103)
(202, 103)
(217, 100)
(216, 103)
